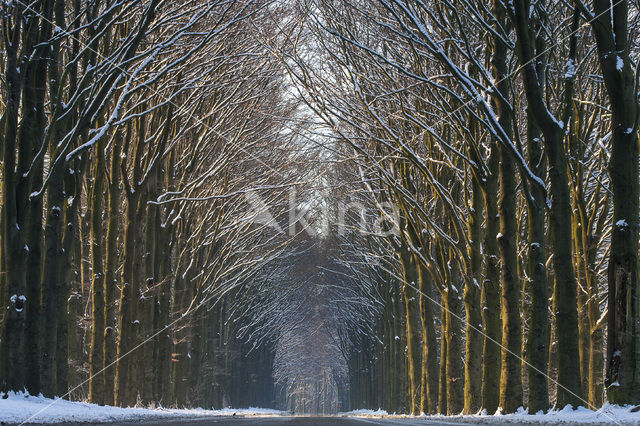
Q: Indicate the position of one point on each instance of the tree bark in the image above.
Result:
(491, 291)
(66, 320)
(511, 373)
(452, 332)
(13, 237)
(111, 279)
(610, 27)
(442, 377)
(96, 360)
(31, 171)
(473, 324)
(124, 392)
(537, 345)
(429, 377)
(413, 338)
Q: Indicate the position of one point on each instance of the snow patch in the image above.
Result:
(365, 413)
(19, 307)
(571, 69)
(21, 407)
(608, 414)
(622, 223)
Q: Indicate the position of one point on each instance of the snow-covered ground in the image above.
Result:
(608, 414)
(24, 408)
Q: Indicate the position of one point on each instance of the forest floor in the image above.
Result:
(20, 408)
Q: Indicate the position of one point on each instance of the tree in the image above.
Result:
(610, 24)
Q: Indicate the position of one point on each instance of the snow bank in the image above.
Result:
(364, 413)
(22, 407)
(608, 414)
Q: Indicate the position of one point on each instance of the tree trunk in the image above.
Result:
(51, 286)
(564, 294)
(442, 378)
(164, 339)
(96, 356)
(13, 238)
(452, 334)
(68, 272)
(584, 335)
(491, 291)
(537, 348)
(510, 373)
(31, 172)
(473, 324)
(413, 338)
(123, 393)
(610, 27)
(111, 279)
(429, 378)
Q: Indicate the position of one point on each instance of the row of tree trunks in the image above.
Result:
(81, 144)
(378, 373)
(565, 289)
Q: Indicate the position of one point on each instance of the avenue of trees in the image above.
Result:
(506, 136)
(425, 206)
(127, 130)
